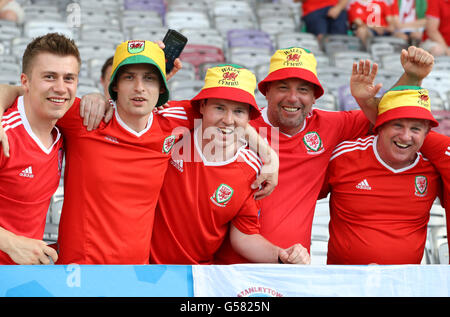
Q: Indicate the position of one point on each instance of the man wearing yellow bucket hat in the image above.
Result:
(308, 136)
(114, 173)
(382, 188)
(213, 170)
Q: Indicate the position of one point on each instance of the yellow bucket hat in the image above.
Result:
(292, 62)
(230, 82)
(139, 52)
(405, 102)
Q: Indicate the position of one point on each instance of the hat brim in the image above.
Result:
(228, 93)
(140, 59)
(292, 72)
(407, 112)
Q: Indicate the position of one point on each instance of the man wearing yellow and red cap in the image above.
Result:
(382, 187)
(206, 196)
(114, 173)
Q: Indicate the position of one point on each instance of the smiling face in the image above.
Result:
(223, 121)
(289, 102)
(399, 140)
(50, 85)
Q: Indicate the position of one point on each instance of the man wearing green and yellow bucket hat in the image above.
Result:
(382, 188)
(114, 173)
(308, 136)
(213, 170)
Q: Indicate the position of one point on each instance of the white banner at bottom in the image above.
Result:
(276, 280)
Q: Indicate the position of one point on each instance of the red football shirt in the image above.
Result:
(378, 214)
(29, 177)
(198, 201)
(112, 180)
(286, 215)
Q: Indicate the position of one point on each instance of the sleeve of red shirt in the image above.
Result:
(247, 220)
(353, 124)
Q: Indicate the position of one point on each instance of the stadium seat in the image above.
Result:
(250, 59)
(333, 77)
(146, 19)
(443, 252)
(10, 79)
(10, 68)
(387, 77)
(391, 62)
(146, 5)
(203, 68)
(200, 54)
(318, 252)
(345, 59)
(253, 39)
(147, 33)
(439, 81)
(261, 71)
(226, 23)
(183, 90)
(337, 42)
(36, 28)
(18, 45)
(345, 99)
(86, 89)
(326, 102)
(275, 25)
(378, 49)
(232, 8)
(93, 49)
(192, 5)
(397, 43)
(261, 100)
(9, 30)
(110, 35)
(304, 40)
(210, 37)
(179, 20)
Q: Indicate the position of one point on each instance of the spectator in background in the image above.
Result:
(106, 76)
(369, 18)
(409, 17)
(436, 37)
(10, 10)
(324, 17)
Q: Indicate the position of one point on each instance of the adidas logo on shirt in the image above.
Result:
(28, 172)
(364, 185)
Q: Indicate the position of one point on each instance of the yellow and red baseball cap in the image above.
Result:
(405, 102)
(140, 52)
(292, 62)
(230, 82)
